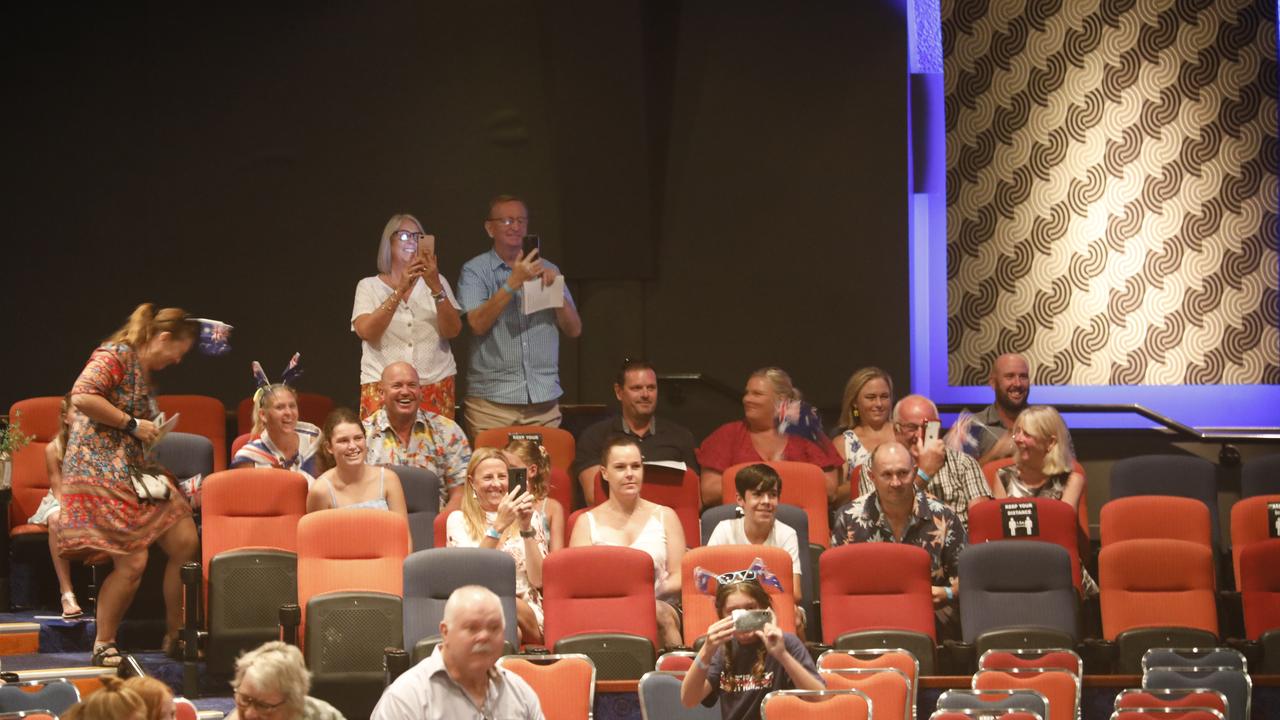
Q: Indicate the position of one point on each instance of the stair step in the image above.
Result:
(19, 638)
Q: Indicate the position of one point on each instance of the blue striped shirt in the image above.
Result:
(518, 361)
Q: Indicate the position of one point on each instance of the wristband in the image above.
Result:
(951, 595)
(492, 532)
(923, 476)
(504, 287)
(527, 534)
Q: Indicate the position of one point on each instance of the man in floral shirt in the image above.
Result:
(401, 433)
(899, 511)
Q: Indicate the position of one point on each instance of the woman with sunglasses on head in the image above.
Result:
(739, 667)
(407, 312)
(103, 508)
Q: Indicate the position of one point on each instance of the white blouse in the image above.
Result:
(411, 335)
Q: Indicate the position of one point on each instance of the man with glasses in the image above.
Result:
(636, 387)
(946, 474)
(514, 376)
(461, 678)
(898, 511)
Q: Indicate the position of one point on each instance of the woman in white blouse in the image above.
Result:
(407, 312)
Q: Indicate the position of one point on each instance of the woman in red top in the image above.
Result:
(755, 438)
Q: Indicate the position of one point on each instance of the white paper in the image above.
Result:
(163, 426)
(537, 297)
(672, 464)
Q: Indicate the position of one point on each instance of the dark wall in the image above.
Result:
(723, 183)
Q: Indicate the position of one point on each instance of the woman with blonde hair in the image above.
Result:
(756, 438)
(865, 412)
(533, 457)
(155, 694)
(103, 508)
(1043, 460)
(497, 516)
(280, 439)
(113, 701)
(272, 681)
(407, 312)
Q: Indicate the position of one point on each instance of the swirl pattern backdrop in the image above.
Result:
(1112, 188)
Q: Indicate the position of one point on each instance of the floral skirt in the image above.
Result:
(102, 515)
(439, 398)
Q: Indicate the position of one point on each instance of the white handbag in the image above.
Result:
(150, 488)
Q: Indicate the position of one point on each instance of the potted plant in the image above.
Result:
(12, 439)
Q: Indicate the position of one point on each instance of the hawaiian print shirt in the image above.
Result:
(436, 443)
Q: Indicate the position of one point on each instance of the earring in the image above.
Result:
(856, 414)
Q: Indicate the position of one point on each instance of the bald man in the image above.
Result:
(461, 679)
(1010, 379)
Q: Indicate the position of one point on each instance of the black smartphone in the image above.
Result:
(518, 477)
(531, 243)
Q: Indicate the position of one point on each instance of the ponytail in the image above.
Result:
(146, 323)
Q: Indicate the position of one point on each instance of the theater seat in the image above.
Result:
(431, 576)
(201, 415)
(1251, 523)
(565, 684)
(1017, 594)
(1052, 521)
(559, 443)
(1260, 596)
(816, 705)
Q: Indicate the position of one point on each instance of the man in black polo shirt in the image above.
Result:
(636, 388)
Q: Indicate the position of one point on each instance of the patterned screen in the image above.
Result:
(1112, 190)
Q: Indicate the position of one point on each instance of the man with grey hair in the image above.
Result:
(946, 474)
(461, 679)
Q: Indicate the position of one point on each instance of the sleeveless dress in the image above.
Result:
(652, 539)
(458, 536)
(379, 503)
(100, 510)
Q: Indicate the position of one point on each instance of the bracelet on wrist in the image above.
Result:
(951, 594)
(492, 532)
(508, 290)
(527, 534)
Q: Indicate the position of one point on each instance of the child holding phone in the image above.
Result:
(531, 468)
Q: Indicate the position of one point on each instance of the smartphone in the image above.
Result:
(931, 430)
(531, 243)
(518, 477)
(745, 621)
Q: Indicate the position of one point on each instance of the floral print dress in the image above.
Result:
(100, 511)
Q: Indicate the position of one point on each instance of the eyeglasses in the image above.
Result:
(245, 702)
(509, 221)
(908, 428)
(407, 237)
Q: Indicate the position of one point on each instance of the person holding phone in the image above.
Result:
(943, 472)
(742, 660)
(514, 368)
(407, 312)
(496, 515)
(531, 467)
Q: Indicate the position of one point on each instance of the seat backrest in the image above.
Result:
(674, 661)
(351, 549)
(1017, 583)
(1172, 698)
(30, 482)
(1040, 519)
(185, 454)
(985, 715)
(38, 417)
(559, 443)
(240, 441)
(1236, 685)
(876, 586)
(1189, 713)
(1055, 658)
(431, 576)
(1260, 587)
(1061, 688)
(660, 699)
(1194, 657)
(598, 589)
(565, 684)
(1260, 476)
(422, 498)
(816, 705)
(901, 660)
(57, 695)
(803, 485)
(312, 408)
(562, 489)
(1180, 475)
(184, 709)
(677, 489)
(1253, 519)
(889, 689)
(795, 518)
(201, 415)
(700, 608)
(1156, 583)
(990, 470)
(1155, 516)
(254, 507)
(996, 700)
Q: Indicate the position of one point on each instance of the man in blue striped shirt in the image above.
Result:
(514, 376)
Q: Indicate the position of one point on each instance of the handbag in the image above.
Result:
(150, 488)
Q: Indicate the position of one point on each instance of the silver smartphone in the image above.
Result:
(931, 430)
(745, 621)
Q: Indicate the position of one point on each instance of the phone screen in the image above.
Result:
(518, 477)
(531, 243)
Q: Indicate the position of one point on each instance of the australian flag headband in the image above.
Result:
(290, 374)
(703, 578)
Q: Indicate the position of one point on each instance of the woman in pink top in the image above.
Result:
(755, 438)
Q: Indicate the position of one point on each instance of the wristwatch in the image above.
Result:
(132, 425)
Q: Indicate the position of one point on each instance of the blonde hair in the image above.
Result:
(531, 452)
(1044, 423)
(384, 248)
(853, 387)
(262, 398)
(113, 702)
(471, 510)
(779, 380)
(153, 693)
(276, 666)
(146, 323)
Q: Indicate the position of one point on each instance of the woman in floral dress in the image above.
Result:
(111, 410)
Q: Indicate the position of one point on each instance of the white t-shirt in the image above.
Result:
(733, 532)
(411, 336)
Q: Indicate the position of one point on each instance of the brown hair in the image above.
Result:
(531, 452)
(499, 199)
(113, 702)
(860, 377)
(146, 323)
(153, 692)
(339, 416)
(753, 590)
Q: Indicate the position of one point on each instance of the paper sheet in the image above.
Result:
(537, 297)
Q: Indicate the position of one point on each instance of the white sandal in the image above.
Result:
(70, 597)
